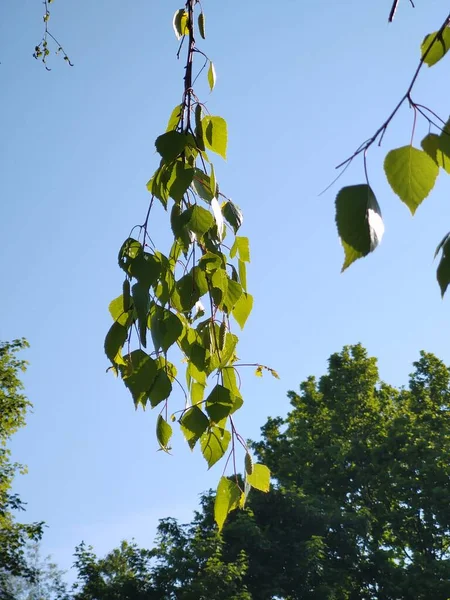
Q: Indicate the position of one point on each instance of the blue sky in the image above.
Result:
(301, 85)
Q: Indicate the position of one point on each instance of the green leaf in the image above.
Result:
(228, 496)
(114, 341)
(211, 77)
(174, 118)
(180, 179)
(443, 270)
(163, 433)
(188, 292)
(359, 222)
(197, 392)
(129, 251)
(214, 444)
(230, 382)
(165, 327)
(219, 403)
(161, 387)
(201, 25)
(171, 144)
(180, 231)
(411, 174)
(234, 292)
(197, 219)
(227, 352)
(259, 478)
(202, 185)
(242, 247)
(242, 274)
(219, 282)
(210, 262)
(248, 464)
(193, 423)
(180, 23)
(141, 303)
(243, 309)
(146, 268)
(216, 135)
(117, 311)
(138, 375)
(233, 215)
(439, 46)
(438, 148)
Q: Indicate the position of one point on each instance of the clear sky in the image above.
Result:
(301, 85)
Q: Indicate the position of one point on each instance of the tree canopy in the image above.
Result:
(359, 507)
(13, 408)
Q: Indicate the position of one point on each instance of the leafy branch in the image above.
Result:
(166, 294)
(41, 51)
(411, 172)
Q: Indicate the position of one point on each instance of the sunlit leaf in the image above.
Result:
(211, 76)
(180, 23)
(259, 478)
(216, 134)
(243, 308)
(228, 496)
(411, 174)
(214, 444)
(440, 45)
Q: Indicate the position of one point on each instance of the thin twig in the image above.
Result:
(407, 96)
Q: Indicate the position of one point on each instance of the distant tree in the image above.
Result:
(363, 486)
(359, 508)
(186, 564)
(13, 407)
(46, 584)
(124, 574)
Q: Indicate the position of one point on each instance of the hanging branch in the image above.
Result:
(41, 51)
(166, 294)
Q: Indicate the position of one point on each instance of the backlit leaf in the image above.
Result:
(165, 327)
(198, 219)
(174, 118)
(228, 497)
(440, 45)
(259, 478)
(216, 134)
(243, 308)
(242, 247)
(163, 432)
(211, 77)
(219, 403)
(411, 174)
(193, 423)
(214, 444)
(180, 21)
(138, 375)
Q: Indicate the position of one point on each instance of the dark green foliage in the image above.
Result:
(359, 508)
(13, 408)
